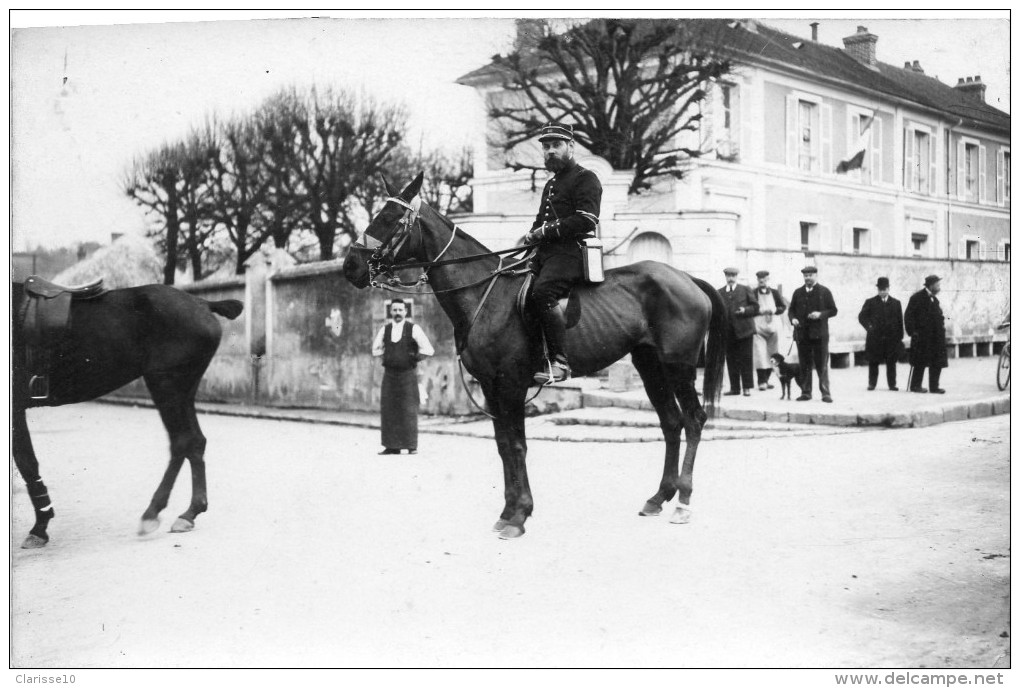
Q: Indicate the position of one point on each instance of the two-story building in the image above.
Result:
(817, 155)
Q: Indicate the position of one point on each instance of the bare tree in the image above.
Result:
(239, 182)
(337, 143)
(170, 183)
(630, 87)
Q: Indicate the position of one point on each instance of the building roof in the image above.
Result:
(755, 43)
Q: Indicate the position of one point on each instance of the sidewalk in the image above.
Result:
(607, 416)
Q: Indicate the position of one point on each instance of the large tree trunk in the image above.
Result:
(173, 232)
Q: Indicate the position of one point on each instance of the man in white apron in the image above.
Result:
(767, 327)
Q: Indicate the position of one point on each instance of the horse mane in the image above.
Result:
(451, 225)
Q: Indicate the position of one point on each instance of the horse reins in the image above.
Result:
(407, 223)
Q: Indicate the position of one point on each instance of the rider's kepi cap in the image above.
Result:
(563, 132)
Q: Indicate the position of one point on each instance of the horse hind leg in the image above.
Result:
(177, 411)
(661, 396)
(694, 418)
(28, 465)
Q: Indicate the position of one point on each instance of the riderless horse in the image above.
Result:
(659, 315)
(74, 345)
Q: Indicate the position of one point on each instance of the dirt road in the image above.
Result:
(879, 549)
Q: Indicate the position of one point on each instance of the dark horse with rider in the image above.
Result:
(664, 318)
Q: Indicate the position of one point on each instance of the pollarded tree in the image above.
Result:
(239, 180)
(171, 184)
(632, 88)
(336, 141)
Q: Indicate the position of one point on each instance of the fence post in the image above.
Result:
(255, 278)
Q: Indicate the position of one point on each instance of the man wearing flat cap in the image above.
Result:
(568, 214)
(767, 327)
(741, 307)
(926, 326)
(882, 318)
(811, 306)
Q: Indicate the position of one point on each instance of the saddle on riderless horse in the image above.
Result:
(45, 322)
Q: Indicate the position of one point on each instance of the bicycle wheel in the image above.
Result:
(1002, 374)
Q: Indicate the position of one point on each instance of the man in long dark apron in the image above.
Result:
(401, 344)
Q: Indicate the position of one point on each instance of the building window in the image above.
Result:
(808, 235)
(921, 162)
(1006, 169)
(862, 241)
(972, 250)
(726, 119)
(1005, 252)
(970, 171)
(920, 242)
(807, 136)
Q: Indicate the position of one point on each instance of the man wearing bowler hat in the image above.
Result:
(882, 318)
(741, 307)
(926, 326)
(811, 306)
(569, 212)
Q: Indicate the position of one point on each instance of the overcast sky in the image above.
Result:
(131, 86)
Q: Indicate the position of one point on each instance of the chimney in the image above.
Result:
(814, 31)
(972, 88)
(528, 33)
(916, 67)
(861, 46)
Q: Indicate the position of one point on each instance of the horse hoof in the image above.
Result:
(182, 525)
(33, 541)
(681, 515)
(148, 526)
(650, 509)
(499, 525)
(510, 531)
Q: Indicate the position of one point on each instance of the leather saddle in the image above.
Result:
(571, 305)
(46, 322)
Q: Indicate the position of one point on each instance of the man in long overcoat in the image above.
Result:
(926, 326)
(741, 307)
(882, 318)
(811, 306)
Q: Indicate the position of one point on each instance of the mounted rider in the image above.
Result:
(568, 214)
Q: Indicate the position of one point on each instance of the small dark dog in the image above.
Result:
(786, 372)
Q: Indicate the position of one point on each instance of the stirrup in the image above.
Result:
(553, 372)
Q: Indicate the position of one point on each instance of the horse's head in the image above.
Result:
(391, 238)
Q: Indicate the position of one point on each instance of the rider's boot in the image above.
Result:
(554, 325)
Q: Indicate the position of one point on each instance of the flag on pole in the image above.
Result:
(856, 158)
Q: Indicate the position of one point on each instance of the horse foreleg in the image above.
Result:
(508, 423)
(28, 466)
(664, 402)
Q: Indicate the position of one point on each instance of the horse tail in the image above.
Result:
(715, 352)
(228, 308)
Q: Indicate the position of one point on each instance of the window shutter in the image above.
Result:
(791, 131)
(961, 251)
(826, 152)
(876, 150)
(983, 250)
(982, 176)
(1000, 178)
(908, 159)
(933, 172)
(961, 170)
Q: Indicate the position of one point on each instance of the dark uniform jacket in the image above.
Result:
(801, 303)
(884, 324)
(927, 329)
(570, 205)
(741, 324)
